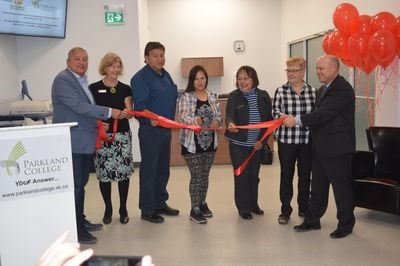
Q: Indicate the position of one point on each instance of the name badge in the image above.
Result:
(102, 91)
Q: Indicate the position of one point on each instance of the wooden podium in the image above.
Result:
(36, 191)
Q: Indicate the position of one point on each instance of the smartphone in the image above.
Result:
(113, 261)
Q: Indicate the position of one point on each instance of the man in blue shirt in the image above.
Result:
(154, 90)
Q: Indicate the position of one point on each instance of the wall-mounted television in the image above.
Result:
(41, 18)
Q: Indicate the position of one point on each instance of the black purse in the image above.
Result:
(267, 155)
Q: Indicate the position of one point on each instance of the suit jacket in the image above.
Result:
(237, 112)
(71, 104)
(332, 123)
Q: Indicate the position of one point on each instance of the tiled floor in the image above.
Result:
(229, 240)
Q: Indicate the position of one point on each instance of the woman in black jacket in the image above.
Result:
(247, 105)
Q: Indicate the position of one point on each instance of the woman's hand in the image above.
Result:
(231, 129)
(258, 145)
(214, 124)
(124, 114)
(199, 121)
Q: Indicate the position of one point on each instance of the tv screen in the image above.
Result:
(42, 18)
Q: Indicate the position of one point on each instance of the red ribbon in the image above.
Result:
(168, 123)
(272, 125)
(101, 133)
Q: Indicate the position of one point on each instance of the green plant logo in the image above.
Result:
(11, 166)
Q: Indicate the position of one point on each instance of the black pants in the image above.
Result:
(80, 164)
(337, 172)
(288, 155)
(246, 184)
(155, 150)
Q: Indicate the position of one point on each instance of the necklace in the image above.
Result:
(112, 87)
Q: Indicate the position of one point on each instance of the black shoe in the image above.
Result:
(85, 237)
(339, 234)
(257, 211)
(197, 217)
(91, 227)
(283, 219)
(124, 219)
(153, 218)
(107, 219)
(246, 215)
(205, 210)
(306, 227)
(167, 210)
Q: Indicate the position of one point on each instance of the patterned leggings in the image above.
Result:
(199, 167)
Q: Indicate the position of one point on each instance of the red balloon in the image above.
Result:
(358, 47)
(338, 45)
(387, 62)
(325, 43)
(397, 34)
(348, 62)
(398, 44)
(396, 30)
(383, 21)
(367, 65)
(345, 18)
(382, 47)
(364, 24)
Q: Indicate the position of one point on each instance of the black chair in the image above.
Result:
(376, 173)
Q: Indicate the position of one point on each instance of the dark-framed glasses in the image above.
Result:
(292, 70)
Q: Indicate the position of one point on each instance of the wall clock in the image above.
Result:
(239, 46)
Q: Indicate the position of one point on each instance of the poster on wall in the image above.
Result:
(45, 18)
(34, 166)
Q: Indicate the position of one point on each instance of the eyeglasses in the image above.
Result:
(292, 70)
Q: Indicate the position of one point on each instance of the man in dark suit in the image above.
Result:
(333, 130)
(73, 102)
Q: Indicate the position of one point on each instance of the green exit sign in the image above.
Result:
(114, 17)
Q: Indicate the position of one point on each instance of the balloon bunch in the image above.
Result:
(363, 41)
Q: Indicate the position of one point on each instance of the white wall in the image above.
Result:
(193, 28)
(8, 68)
(40, 59)
(188, 28)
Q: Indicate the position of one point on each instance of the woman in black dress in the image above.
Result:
(113, 161)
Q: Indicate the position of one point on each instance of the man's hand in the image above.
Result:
(289, 121)
(154, 123)
(115, 113)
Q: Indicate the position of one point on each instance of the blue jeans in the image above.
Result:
(155, 149)
(81, 166)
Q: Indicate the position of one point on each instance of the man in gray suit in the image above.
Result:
(73, 102)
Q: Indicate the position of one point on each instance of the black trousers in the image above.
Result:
(155, 150)
(80, 165)
(289, 154)
(246, 184)
(337, 172)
